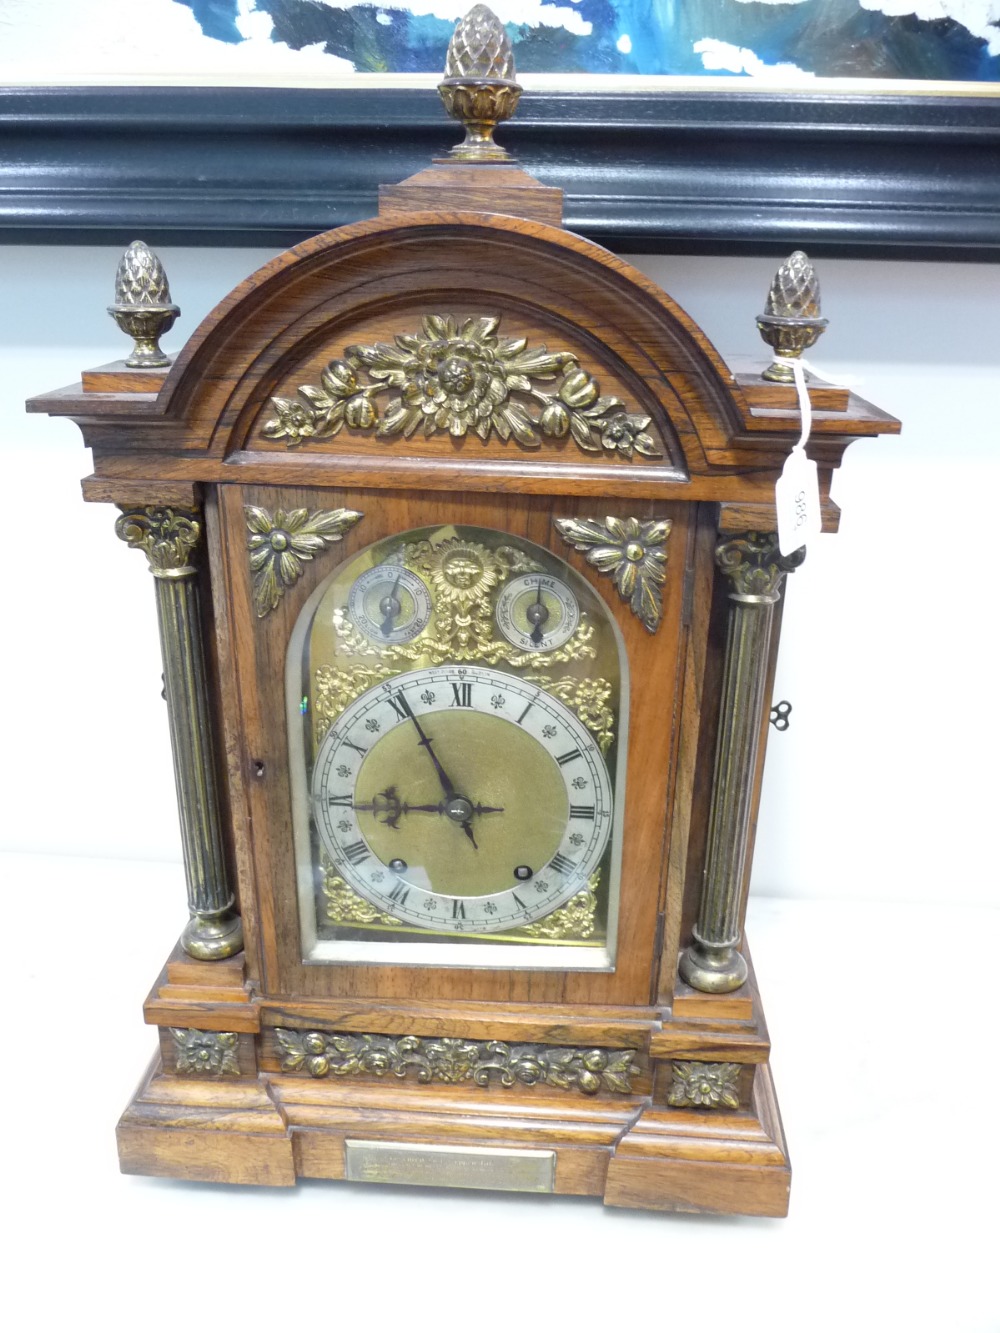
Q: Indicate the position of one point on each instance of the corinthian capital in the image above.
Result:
(754, 564)
(166, 536)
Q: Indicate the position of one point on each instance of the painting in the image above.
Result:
(855, 127)
(944, 40)
(787, 42)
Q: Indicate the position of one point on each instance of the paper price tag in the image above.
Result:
(796, 498)
(796, 492)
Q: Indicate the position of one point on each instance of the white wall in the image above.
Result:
(884, 787)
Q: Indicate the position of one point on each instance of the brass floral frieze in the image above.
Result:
(459, 378)
(711, 1086)
(206, 1053)
(456, 1060)
(281, 543)
(633, 552)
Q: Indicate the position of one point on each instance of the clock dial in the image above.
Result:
(457, 714)
(389, 604)
(537, 612)
(462, 799)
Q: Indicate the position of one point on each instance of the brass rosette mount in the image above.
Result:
(791, 321)
(480, 85)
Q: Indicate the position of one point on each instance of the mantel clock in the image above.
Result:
(462, 540)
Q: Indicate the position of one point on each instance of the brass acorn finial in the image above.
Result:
(480, 85)
(143, 308)
(791, 321)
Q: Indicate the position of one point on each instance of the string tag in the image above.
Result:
(796, 494)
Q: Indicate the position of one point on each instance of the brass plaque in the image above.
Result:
(529, 1171)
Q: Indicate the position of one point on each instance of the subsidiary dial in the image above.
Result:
(389, 604)
(537, 612)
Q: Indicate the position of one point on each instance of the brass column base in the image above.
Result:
(213, 935)
(714, 968)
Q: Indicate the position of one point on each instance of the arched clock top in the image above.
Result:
(392, 300)
(443, 348)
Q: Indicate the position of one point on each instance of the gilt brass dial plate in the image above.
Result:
(457, 716)
(462, 799)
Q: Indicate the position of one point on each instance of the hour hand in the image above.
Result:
(388, 808)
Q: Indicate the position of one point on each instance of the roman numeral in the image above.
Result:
(356, 748)
(458, 910)
(519, 903)
(567, 758)
(356, 852)
(462, 696)
(401, 707)
(346, 801)
(526, 712)
(399, 892)
(563, 864)
(581, 812)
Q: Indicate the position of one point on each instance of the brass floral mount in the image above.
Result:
(633, 552)
(209, 1054)
(459, 378)
(711, 1086)
(456, 1060)
(280, 543)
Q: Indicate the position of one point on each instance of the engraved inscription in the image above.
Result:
(527, 1171)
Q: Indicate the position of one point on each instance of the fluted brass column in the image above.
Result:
(756, 569)
(169, 537)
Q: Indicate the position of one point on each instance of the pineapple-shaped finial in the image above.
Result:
(143, 308)
(791, 321)
(480, 85)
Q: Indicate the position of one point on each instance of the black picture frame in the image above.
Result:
(750, 172)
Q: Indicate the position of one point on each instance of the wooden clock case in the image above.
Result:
(697, 1125)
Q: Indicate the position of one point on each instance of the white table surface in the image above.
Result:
(886, 1064)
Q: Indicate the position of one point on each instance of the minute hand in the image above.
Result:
(450, 791)
(446, 782)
